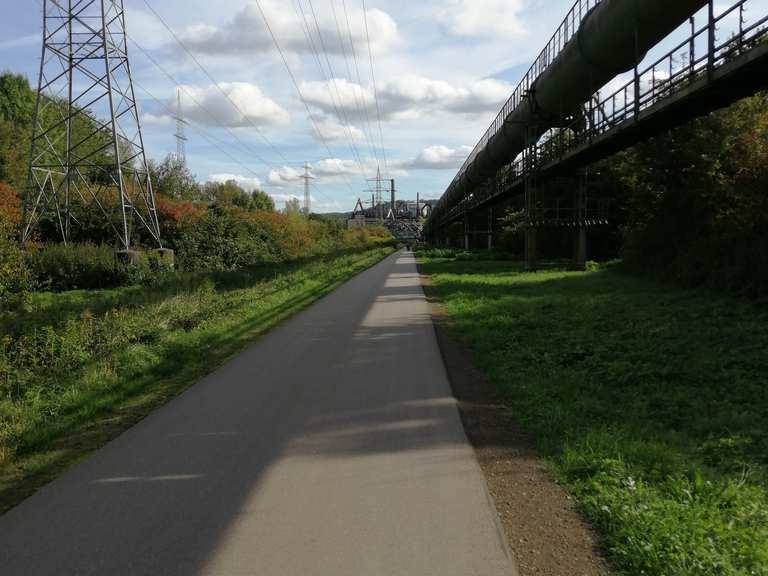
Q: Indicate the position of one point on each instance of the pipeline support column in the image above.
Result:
(466, 231)
(490, 229)
(580, 234)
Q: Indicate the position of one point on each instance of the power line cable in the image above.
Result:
(375, 89)
(341, 112)
(310, 39)
(214, 81)
(359, 80)
(296, 85)
(343, 44)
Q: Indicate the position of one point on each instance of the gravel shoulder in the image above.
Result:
(545, 531)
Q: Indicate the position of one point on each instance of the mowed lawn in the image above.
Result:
(650, 401)
(78, 368)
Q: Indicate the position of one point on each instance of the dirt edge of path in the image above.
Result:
(546, 533)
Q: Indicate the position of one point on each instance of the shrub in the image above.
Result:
(697, 208)
(76, 266)
(228, 238)
(14, 276)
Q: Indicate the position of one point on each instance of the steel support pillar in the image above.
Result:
(530, 215)
(490, 229)
(530, 248)
(580, 235)
(466, 231)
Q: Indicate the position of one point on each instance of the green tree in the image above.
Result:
(230, 192)
(696, 204)
(172, 178)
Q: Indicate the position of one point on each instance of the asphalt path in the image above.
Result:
(331, 447)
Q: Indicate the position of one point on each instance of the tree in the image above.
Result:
(17, 105)
(696, 207)
(14, 275)
(293, 206)
(172, 178)
(230, 192)
(260, 200)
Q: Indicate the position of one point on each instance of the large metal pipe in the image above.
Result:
(612, 39)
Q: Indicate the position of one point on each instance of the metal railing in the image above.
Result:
(691, 60)
(566, 31)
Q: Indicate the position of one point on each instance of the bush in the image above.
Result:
(76, 267)
(14, 276)
(228, 238)
(697, 207)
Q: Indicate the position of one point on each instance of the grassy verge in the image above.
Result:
(78, 368)
(650, 402)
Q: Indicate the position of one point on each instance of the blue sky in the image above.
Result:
(443, 70)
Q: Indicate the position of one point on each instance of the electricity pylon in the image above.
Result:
(307, 177)
(181, 137)
(87, 147)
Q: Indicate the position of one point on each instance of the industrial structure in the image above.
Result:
(535, 156)
(87, 149)
(403, 218)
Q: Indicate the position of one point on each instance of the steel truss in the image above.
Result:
(87, 148)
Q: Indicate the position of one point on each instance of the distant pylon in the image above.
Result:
(181, 137)
(87, 148)
(307, 177)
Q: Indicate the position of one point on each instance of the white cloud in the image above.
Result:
(246, 183)
(244, 105)
(338, 167)
(149, 119)
(325, 128)
(439, 158)
(482, 18)
(284, 176)
(406, 97)
(246, 32)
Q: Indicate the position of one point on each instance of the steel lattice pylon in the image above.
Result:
(87, 147)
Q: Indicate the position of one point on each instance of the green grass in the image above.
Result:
(650, 402)
(78, 368)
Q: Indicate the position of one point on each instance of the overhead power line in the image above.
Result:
(200, 105)
(335, 101)
(217, 143)
(375, 88)
(296, 85)
(342, 42)
(334, 86)
(208, 75)
(371, 139)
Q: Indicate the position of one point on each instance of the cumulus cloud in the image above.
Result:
(246, 33)
(325, 128)
(406, 97)
(284, 176)
(245, 182)
(482, 18)
(209, 106)
(439, 158)
(156, 119)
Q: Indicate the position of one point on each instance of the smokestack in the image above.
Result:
(418, 206)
